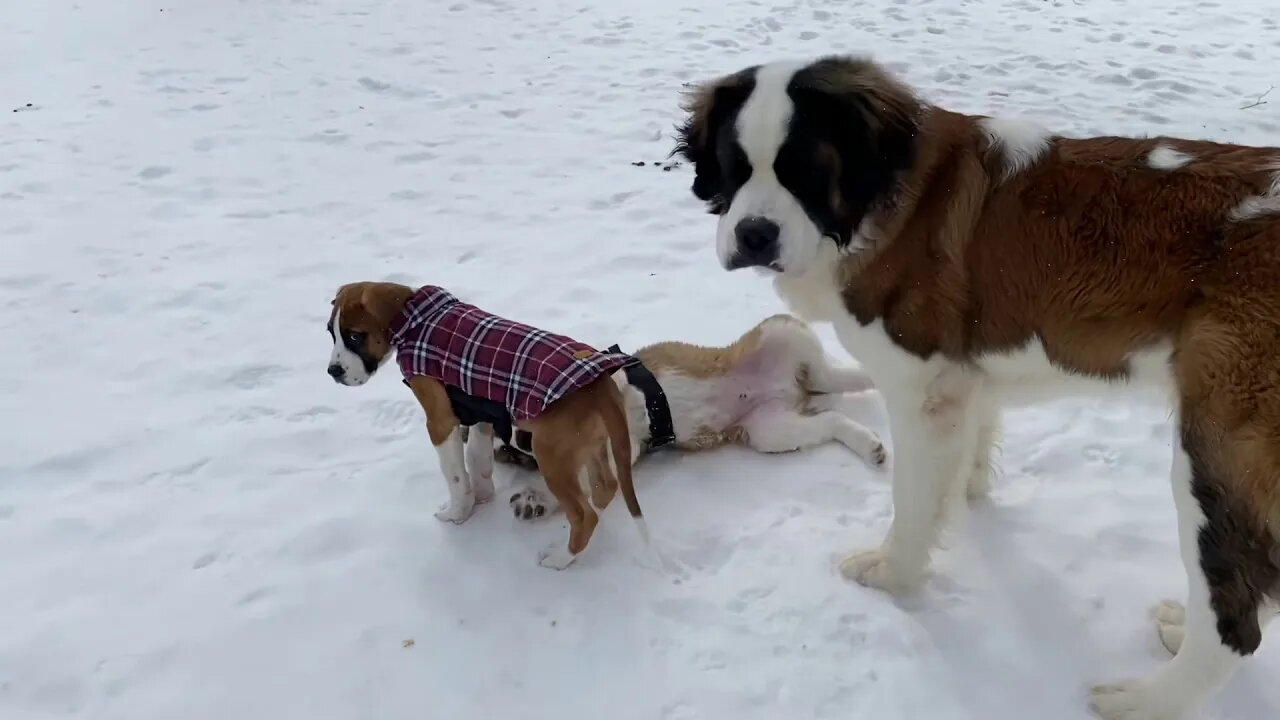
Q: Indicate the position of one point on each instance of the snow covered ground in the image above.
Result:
(196, 523)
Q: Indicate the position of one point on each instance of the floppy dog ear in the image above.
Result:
(873, 118)
(708, 107)
(383, 301)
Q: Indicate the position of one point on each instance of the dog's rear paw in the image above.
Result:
(530, 504)
(879, 455)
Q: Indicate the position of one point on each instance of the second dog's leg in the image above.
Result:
(775, 430)
(827, 378)
(480, 461)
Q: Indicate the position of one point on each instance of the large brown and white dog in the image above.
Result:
(767, 390)
(970, 263)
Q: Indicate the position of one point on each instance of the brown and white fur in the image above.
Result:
(768, 390)
(574, 439)
(972, 263)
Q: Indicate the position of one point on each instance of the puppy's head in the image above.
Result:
(794, 155)
(360, 327)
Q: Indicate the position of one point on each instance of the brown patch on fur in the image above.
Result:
(702, 361)
(431, 395)
(708, 439)
(370, 308)
(571, 435)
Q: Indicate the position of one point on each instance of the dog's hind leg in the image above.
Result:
(776, 430)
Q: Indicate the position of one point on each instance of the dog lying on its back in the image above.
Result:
(769, 390)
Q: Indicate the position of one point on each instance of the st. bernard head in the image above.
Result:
(360, 327)
(793, 155)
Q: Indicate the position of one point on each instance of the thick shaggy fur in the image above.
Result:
(971, 263)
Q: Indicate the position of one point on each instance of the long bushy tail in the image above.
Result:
(615, 424)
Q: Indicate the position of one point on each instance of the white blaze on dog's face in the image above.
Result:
(792, 155)
(360, 336)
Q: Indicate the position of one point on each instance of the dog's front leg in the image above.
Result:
(462, 497)
(446, 435)
(933, 440)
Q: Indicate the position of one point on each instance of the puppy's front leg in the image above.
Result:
(480, 461)
(462, 497)
(446, 435)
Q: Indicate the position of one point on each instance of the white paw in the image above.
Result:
(529, 504)
(556, 557)
(1171, 624)
(1121, 701)
(457, 511)
(979, 484)
(873, 569)
(877, 454)
(482, 486)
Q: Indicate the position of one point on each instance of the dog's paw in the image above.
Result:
(482, 486)
(878, 455)
(456, 512)
(874, 569)
(1122, 701)
(556, 557)
(529, 504)
(1171, 624)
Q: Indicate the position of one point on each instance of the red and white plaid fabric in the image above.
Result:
(523, 368)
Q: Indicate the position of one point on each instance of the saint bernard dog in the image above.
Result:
(971, 263)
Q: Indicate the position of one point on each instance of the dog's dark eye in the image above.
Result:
(354, 338)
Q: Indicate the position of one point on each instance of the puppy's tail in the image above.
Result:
(615, 424)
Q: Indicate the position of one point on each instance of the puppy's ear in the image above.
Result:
(708, 108)
(383, 301)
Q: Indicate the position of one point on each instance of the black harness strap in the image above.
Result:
(661, 428)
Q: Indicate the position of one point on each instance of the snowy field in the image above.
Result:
(196, 523)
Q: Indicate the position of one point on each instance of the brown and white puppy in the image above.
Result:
(768, 390)
(971, 263)
(575, 436)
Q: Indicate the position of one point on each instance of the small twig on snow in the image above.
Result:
(1260, 100)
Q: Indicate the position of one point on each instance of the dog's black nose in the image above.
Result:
(757, 240)
(336, 371)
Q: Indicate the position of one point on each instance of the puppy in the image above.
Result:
(469, 368)
(768, 390)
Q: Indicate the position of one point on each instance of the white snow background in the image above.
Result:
(196, 523)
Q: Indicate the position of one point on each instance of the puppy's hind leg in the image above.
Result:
(561, 471)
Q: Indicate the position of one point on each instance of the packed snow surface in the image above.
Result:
(196, 523)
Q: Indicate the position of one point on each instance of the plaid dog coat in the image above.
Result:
(519, 367)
